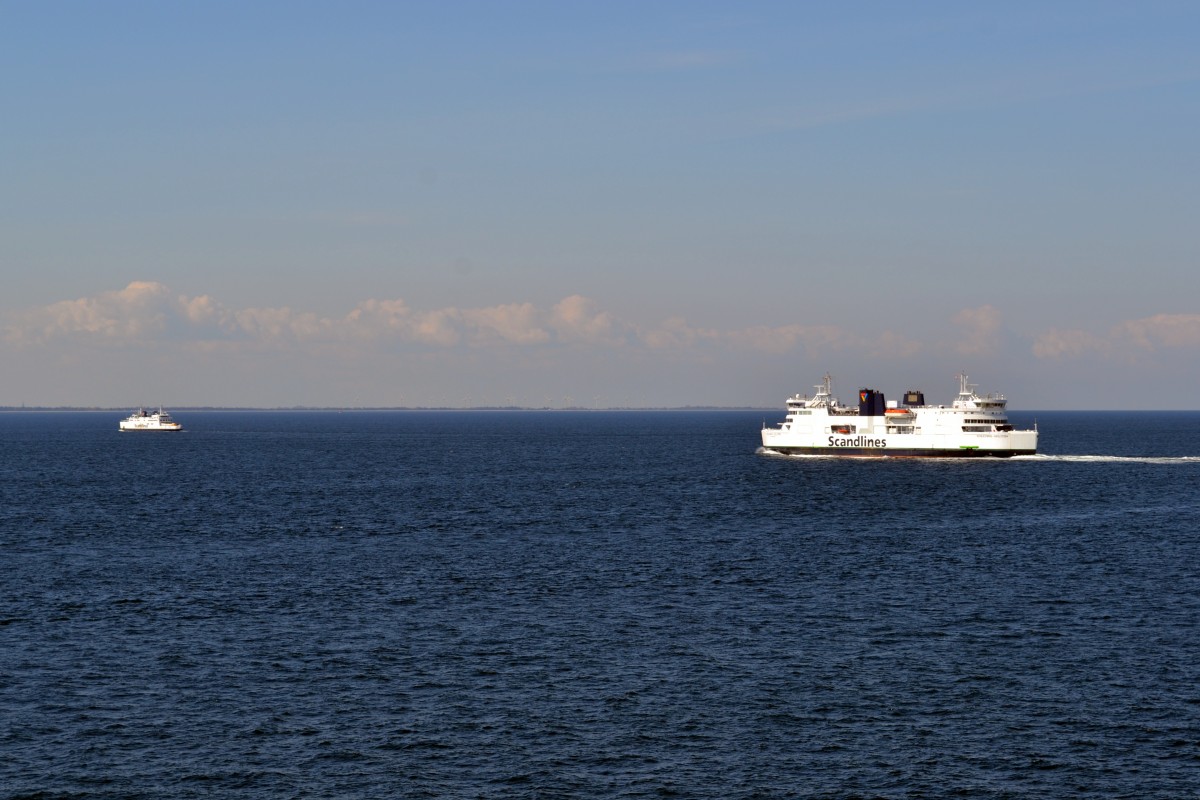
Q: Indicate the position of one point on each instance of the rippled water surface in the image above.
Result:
(607, 604)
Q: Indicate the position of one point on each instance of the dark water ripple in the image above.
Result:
(544, 605)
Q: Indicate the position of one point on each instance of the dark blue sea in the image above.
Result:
(592, 605)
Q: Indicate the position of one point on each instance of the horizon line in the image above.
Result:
(123, 409)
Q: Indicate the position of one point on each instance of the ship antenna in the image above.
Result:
(964, 388)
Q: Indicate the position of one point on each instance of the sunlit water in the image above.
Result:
(569, 604)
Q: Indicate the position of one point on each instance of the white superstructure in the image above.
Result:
(970, 426)
(142, 420)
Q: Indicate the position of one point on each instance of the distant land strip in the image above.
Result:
(184, 409)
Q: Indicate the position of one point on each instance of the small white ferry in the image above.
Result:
(971, 426)
(142, 420)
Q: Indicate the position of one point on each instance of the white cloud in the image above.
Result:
(980, 330)
(1146, 334)
(201, 310)
(436, 327)
(375, 318)
(1162, 330)
(514, 323)
(1059, 344)
(138, 311)
(676, 333)
(575, 318)
(275, 325)
(148, 312)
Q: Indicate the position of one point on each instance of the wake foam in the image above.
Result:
(1076, 459)
(1099, 459)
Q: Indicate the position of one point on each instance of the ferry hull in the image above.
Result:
(965, 445)
(898, 452)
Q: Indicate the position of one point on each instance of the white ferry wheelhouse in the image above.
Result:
(971, 426)
(142, 420)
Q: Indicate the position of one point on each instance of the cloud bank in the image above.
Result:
(148, 313)
(1127, 339)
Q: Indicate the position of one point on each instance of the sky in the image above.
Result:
(600, 204)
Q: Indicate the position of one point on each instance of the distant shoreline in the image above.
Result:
(513, 409)
(350, 409)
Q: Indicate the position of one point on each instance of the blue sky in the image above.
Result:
(597, 203)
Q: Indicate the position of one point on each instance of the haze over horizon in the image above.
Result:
(602, 205)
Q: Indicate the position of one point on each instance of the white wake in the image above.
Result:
(1100, 459)
(1048, 457)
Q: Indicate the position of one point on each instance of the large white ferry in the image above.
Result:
(142, 420)
(969, 426)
